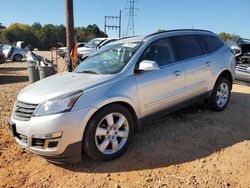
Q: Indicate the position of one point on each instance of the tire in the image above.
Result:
(2, 60)
(103, 139)
(220, 97)
(17, 58)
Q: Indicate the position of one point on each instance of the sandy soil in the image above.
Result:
(193, 147)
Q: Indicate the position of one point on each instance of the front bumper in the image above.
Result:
(244, 76)
(66, 148)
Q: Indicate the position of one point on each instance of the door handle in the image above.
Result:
(208, 64)
(177, 73)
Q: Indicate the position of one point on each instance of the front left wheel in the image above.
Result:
(108, 133)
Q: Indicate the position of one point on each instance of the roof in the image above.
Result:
(141, 38)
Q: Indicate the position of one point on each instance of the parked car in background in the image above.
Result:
(14, 53)
(21, 44)
(2, 57)
(97, 108)
(242, 52)
(90, 47)
(93, 45)
(105, 42)
(62, 51)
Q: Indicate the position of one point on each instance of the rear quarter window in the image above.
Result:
(211, 43)
(187, 46)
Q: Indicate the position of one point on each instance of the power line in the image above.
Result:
(131, 19)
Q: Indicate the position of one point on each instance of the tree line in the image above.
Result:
(225, 36)
(44, 37)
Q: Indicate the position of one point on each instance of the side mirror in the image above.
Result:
(147, 65)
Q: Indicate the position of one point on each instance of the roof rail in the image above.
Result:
(176, 30)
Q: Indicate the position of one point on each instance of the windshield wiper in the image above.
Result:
(90, 72)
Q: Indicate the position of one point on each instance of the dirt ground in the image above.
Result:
(193, 147)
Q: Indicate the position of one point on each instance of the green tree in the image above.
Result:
(161, 30)
(88, 33)
(227, 36)
(3, 37)
(2, 27)
(47, 36)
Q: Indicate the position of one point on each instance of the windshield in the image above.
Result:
(93, 43)
(110, 59)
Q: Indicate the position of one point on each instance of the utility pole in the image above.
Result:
(131, 19)
(119, 26)
(69, 31)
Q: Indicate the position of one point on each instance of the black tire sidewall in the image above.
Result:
(213, 101)
(16, 59)
(89, 145)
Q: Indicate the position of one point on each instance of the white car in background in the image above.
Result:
(92, 46)
(62, 51)
(13, 53)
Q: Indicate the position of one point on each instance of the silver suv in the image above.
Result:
(97, 108)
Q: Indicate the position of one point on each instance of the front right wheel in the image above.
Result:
(220, 95)
(108, 133)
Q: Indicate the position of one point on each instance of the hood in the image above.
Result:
(58, 85)
(244, 45)
(245, 48)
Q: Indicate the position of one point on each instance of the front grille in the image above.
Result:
(243, 68)
(24, 111)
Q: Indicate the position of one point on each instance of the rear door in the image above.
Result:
(163, 88)
(215, 57)
(197, 68)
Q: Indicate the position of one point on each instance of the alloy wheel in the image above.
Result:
(222, 94)
(112, 133)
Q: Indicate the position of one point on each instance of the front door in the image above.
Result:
(163, 88)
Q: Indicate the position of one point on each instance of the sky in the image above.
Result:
(215, 15)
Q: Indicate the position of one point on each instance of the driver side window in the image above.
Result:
(160, 51)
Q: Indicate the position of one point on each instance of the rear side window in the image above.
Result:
(211, 43)
(187, 46)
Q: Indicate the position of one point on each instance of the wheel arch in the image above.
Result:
(128, 106)
(226, 74)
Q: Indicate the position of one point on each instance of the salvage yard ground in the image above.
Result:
(193, 147)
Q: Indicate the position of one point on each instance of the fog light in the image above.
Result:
(48, 136)
(52, 144)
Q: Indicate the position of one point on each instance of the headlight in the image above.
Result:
(57, 105)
